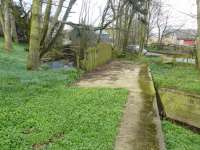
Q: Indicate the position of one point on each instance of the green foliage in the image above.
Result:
(87, 118)
(97, 56)
(182, 77)
(151, 60)
(179, 76)
(178, 138)
(117, 54)
(40, 110)
(181, 106)
(152, 48)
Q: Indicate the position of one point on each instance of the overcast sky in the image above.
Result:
(95, 7)
(182, 12)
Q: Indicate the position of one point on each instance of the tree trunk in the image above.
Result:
(119, 40)
(46, 21)
(13, 29)
(7, 26)
(142, 38)
(1, 18)
(198, 36)
(119, 26)
(148, 22)
(34, 45)
(127, 35)
(125, 26)
(144, 27)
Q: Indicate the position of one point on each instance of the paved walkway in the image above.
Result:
(140, 125)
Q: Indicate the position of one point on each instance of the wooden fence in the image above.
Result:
(96, 56)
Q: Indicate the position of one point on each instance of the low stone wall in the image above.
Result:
(96, 56)
(181, 106)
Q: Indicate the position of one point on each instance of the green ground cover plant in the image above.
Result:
(183, 77)
(178, 76)
(178, 138)
(40, 110)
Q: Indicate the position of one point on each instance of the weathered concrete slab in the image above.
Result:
(181, 106)
(140, 127)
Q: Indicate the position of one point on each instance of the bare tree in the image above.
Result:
(127, 22)
(162, 25)
(43, 33)
(152, 18)
(103, 18)
(165, 29)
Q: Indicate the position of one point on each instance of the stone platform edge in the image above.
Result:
(160, 135)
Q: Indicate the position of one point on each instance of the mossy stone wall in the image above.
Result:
(96, 56)
(181, 106)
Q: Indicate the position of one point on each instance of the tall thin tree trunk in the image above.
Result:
(13, 28)
(126, 17)
(119, 43)
(118, 26)
(142, 38)
(144, 29)
(198, 36)
(127, 30)
(1, 18)
(7, 26)
(46, 21)
(34, 45)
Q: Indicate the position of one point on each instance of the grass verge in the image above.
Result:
(39, 110)
(183, 77)
(178, 138)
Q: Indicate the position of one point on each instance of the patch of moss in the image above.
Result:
(181, 106)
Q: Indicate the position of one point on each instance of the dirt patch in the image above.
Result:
(44, 144)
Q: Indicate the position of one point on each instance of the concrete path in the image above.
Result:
(140, 125)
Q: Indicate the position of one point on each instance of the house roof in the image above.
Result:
(187, 34)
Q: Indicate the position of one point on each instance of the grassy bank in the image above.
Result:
(40, 110)
(178, 138)
(183, 77)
